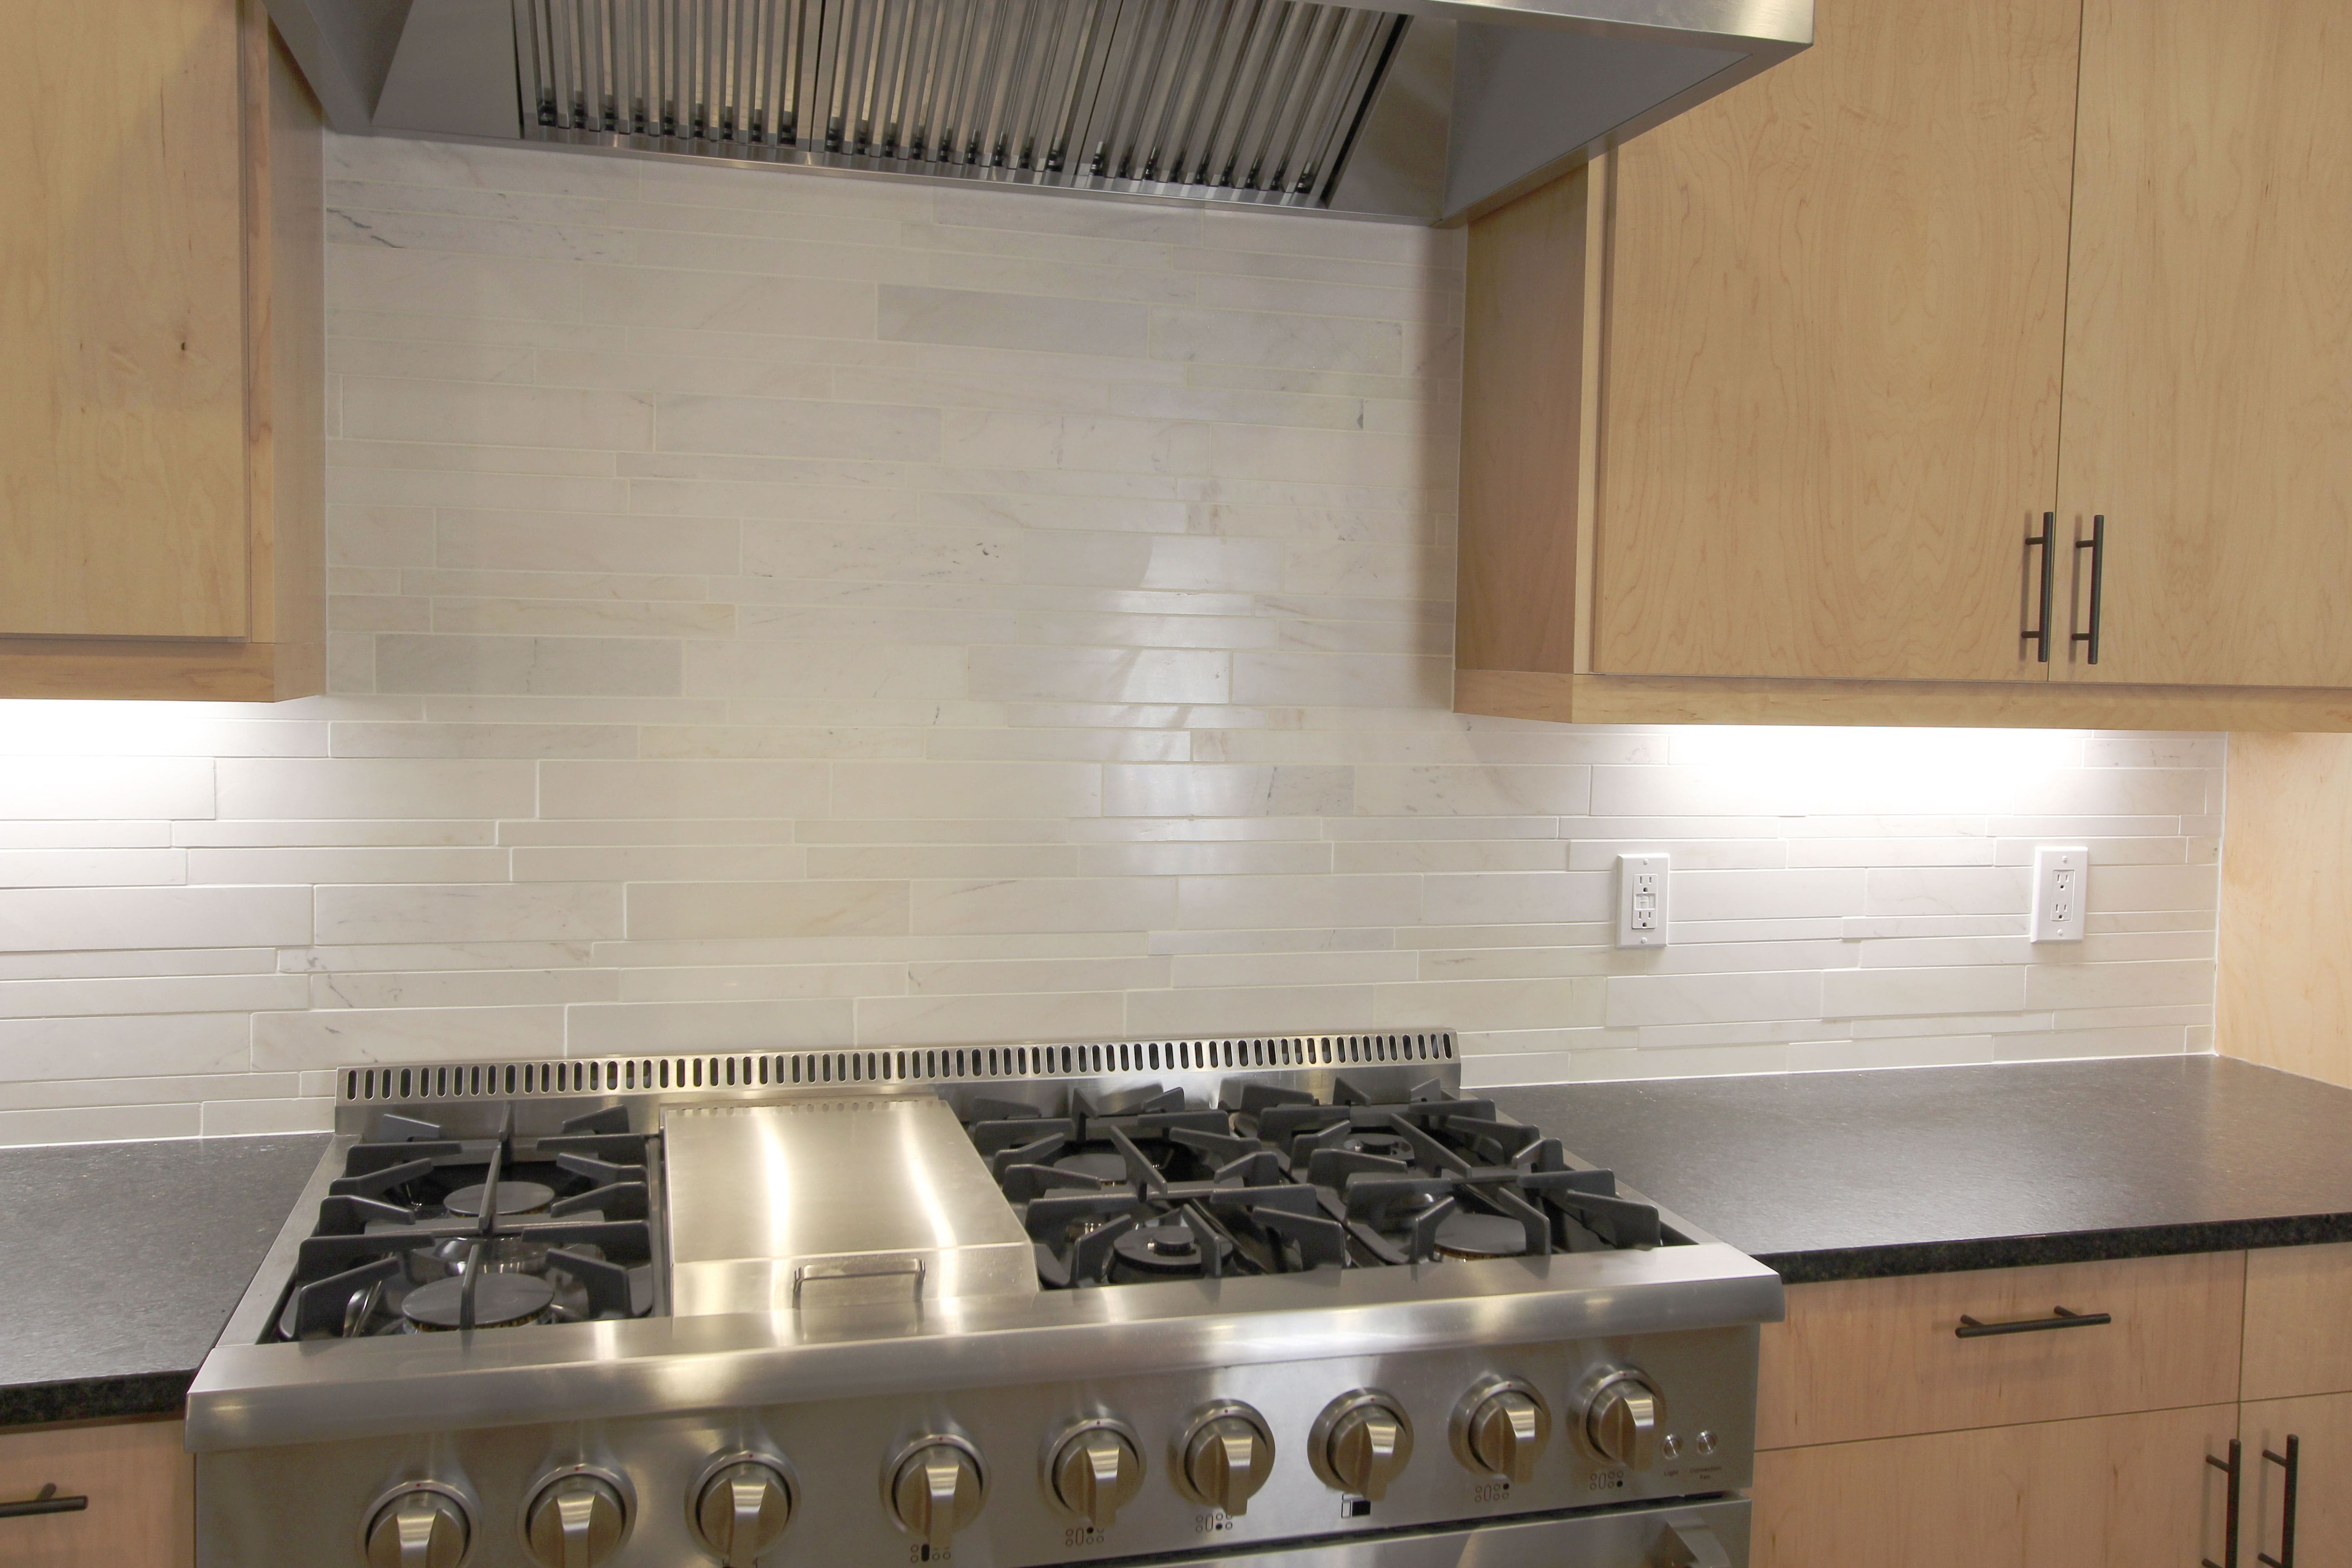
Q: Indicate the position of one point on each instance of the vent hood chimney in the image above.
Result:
(1427, 110)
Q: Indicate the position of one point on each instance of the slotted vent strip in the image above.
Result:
(1232, 97)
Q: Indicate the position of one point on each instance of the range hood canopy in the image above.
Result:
(1429, 111)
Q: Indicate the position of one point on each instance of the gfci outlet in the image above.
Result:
(1643, 899)
(2061, 883)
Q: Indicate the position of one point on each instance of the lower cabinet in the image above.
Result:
(2125, 1490)
(2316, 1435)
(140, 1490)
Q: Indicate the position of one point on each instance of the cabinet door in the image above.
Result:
(1836, 330)
(2209, 345)
(122, 423)
(2321, 1428)
(140, 1485)
(2119, 1489)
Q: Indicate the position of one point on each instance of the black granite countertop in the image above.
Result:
(119, 1263)
(1848, 1175)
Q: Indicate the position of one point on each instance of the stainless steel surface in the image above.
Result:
(741, 1508)
(1501, 1429)
(1069, 1425)
(1227, 1452)
(418, 1526)
(576, 1519)
(936, 1489)
(839, 1201)
(1096, 1471)
(252, 1503)
(1414, 110)
(1644, 1538)
(1622, 1418)
(1361, 1442)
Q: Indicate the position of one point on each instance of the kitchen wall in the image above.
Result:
(776, 611)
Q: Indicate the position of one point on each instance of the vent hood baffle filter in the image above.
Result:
(1243, 100)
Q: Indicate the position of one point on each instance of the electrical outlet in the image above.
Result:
(1644, 899)
(2061, 885)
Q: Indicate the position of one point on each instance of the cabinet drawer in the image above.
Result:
(141, 1489)
(2298, 1321)
(1881, 1358)
(2129, 1491)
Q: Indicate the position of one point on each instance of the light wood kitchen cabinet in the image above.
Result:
(1837, 316)
(2209, 339)
(162, 444)
(1881, 1358)
(2298, 1321)
(1887, 1439)
(1762, 411)
(2315, 1435)
(2112, 1490)
(141, 1486)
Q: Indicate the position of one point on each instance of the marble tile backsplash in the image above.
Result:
(779, 611)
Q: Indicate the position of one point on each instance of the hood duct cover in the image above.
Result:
(1426, 110)
(1256, 101)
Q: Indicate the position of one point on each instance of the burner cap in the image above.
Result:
(1103, 1166)
(1387, 1145)
(514, 1197)
(500, 1300)
(1466, 1235)
(1168, 1248)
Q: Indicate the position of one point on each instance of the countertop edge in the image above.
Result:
(2059, 1246)
(95, 1398)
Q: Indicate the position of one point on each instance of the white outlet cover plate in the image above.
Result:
(1644, 899)
(2062, 886)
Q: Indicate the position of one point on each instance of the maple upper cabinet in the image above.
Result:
(1837, 322)
(1764, 412)
(162, 420)
(2209, 339)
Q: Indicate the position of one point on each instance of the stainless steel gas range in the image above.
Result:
(1289, 1301)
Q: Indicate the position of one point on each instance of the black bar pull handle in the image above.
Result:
(2060, 1318)
(2047, 543)
(2098, 545)
(47, 1502)
(2292, 1463)
(2234, 1470)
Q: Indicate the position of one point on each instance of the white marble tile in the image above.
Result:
(774, 610)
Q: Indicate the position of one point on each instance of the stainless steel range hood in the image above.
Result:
(1432, 111)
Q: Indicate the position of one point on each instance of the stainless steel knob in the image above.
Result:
(1096, 1472)
(1227, 1453)
(1360, 1443)
(1502, 1428)
(936, 1488)
(418, 1529)
(741, 1509)
(575, 1522)
(1621, 1420)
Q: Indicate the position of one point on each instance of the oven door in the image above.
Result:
(1678, 1535)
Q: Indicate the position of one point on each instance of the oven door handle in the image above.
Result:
(1689, 1544)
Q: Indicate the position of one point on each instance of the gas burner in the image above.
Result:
(514, 1198)
(1167, 1250)
(1106, 1166)
(1464, 1235)
(500, 1301)
(1124, 1189)
(1382, 1146)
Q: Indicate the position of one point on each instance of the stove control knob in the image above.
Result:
(1361, 1442)
(1501, 1429)
(418, 1529)
(936, 1488)
(742, 1509)
(1623, 1417)
(575, 1520)
(1227, 1453)
(1096, 1471)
